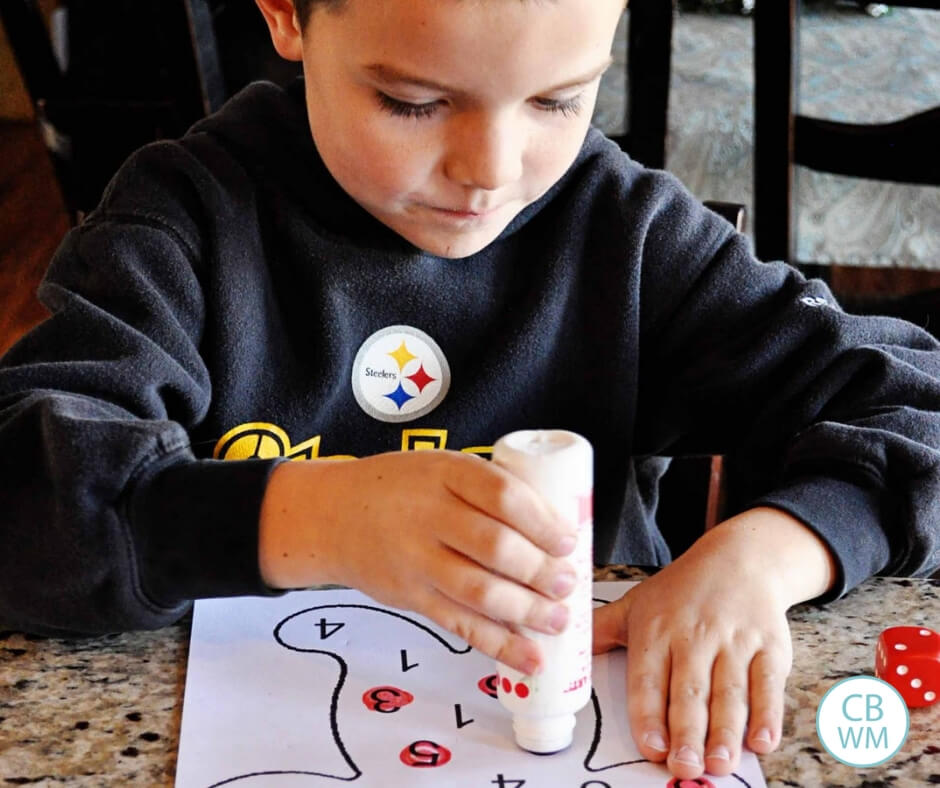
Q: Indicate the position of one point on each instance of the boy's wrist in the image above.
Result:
(290, 528)
(783, 549)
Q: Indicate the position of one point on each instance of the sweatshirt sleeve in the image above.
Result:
(108, 521)
(832, 417)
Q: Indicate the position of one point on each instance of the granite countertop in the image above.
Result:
(106, 711)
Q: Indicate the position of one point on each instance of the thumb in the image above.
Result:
(610, 625)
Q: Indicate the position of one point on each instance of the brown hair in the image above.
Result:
(305, 7)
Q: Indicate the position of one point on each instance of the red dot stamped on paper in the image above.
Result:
(386, 699)
(488, 685)
(424, 754)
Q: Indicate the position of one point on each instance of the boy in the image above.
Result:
(453, 255)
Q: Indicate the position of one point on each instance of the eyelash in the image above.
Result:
(568, 108)
(404, 109)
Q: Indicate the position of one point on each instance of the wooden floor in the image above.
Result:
(33, 222)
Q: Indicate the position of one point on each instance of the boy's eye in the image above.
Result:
(567, 107)
(405, 109)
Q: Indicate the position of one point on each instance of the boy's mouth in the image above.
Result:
(465, 213)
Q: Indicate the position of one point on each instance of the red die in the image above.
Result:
(908, 658)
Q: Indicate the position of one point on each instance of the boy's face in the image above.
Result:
(445, 118)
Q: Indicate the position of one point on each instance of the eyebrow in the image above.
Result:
(389, 74)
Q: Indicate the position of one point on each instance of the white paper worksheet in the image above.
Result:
(318, 688)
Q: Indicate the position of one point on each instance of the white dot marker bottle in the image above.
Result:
(560, 466)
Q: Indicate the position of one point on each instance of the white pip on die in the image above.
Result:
(908, 658)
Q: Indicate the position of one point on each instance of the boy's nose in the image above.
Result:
(486, 153)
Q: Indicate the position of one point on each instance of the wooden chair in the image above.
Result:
(649, 53)
(904, 150)
(117, 91)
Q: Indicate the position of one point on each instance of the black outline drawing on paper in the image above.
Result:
(355, 771)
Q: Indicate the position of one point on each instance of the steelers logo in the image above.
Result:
(399, 374)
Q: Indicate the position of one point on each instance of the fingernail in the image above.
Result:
(763, 735)
(564, 583)
(720, 753)
(530, 667)
(566, 545)
(559, 618)
(655, 741)
(687, 755)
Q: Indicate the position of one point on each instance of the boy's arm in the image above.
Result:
(109, 522)
(831, 417)
(474, 549)
(837, 419)
(709, 645)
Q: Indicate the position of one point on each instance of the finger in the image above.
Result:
(610, 625)
(648, 666)
(472, 586)
(728, 708)
(499, 548)
(689, 687)
(499, 494)
(768, 678)
(483, 634)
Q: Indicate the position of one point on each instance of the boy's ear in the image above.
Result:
(284, 27)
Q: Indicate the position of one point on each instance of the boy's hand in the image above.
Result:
(709, 644)
(444, 534)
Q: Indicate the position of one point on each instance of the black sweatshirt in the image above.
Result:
(227, 299)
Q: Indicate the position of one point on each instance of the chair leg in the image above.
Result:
(212, 87)
(715, 502)
(776, 78)
(649, 55)
(32, 48)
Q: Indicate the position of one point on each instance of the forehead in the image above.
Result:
(479, 41)
(384, 9)
(307, 7)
